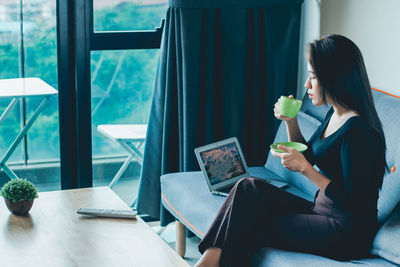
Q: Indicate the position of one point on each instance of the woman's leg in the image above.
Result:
(210, 258)
(248, 205)
(307, 233)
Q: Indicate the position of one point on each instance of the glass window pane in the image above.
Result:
(43, 137)
(40, 60)
(9, 60)
(9, 130)
(9, 39)
(40, 42)
(126, 15)
(122, 86)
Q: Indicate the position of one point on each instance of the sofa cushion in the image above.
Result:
(388, 108)
(271, 257)
(184, 190)
(262, 172)
(308, 125)
(386, 243)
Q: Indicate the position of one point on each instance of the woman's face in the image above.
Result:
(314, 92)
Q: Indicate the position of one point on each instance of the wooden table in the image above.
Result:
(53, 234)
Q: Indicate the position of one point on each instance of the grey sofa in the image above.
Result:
(187, 197)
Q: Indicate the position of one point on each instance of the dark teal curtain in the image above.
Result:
(222, 66)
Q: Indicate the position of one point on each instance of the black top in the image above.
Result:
(347, 158)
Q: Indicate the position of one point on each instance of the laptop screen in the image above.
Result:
(222, 163)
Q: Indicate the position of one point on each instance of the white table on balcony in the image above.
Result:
(16, 89)
(131, 137)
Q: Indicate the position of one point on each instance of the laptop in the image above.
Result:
(223, 164)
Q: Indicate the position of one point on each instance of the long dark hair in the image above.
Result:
(341, 73)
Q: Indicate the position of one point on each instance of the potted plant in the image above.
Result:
(19, 195)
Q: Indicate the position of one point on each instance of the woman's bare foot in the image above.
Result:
(210, 258)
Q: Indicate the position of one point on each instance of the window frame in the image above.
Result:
(76, 38)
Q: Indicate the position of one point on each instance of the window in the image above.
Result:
(124, 38)
(122, 86)
(127, 15)
(107, 61)
(28, 48)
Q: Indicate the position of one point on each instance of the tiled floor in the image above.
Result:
(168, 235)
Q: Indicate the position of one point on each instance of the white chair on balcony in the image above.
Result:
(131, 137)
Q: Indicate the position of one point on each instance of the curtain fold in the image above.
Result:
(221, 69)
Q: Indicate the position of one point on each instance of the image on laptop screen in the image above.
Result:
(222, 163)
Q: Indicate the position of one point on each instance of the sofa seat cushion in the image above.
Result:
(271, 257)
(187, 197)
(183, 191)
(262, 172)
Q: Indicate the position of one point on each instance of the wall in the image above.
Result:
(375, 27)
(309, 31)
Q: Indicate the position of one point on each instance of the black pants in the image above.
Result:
(257, 214)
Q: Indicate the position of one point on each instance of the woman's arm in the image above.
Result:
(358, 160)
(357, 163)
(297, 162)
(293, 131)
(316, 177)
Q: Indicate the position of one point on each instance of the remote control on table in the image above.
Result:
(111, 213)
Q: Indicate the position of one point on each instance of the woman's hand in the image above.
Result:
(277, 113)
(293, 160)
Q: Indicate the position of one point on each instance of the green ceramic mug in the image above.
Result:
(289, 106)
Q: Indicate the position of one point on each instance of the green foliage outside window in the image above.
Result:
(128, 16)
(126, 100)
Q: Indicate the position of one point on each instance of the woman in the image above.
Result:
(349, 149)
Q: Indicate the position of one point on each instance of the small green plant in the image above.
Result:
(19, 189)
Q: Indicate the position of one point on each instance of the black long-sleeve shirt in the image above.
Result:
(348, 158)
